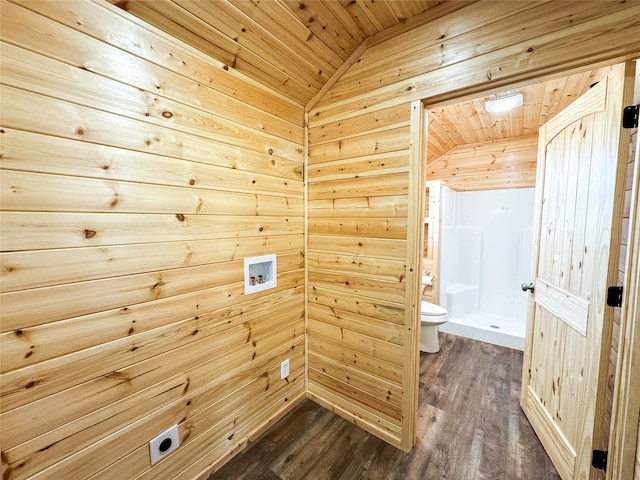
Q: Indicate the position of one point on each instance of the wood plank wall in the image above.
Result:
(358, 140)
(358, 204)
(136, 176)
(492, 165)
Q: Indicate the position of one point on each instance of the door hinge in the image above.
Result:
(630, 116)
(599, 459)
(614, 296)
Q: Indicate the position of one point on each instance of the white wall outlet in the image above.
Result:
(284, 369)
(164, 444)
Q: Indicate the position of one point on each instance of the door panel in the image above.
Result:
(575, 258)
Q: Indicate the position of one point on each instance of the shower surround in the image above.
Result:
(486, 248)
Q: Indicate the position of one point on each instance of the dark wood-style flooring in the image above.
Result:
(470, 426)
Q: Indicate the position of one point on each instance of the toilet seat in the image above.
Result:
(430, 309)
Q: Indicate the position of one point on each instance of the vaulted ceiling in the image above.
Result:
(468, 122)
(293, 46)
(296, 47)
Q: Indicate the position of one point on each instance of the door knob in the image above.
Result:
(526, 287)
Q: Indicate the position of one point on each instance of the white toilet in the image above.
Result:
(431, 316)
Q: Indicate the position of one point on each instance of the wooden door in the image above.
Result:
(581, 165)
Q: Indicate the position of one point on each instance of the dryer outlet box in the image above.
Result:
(164, 444)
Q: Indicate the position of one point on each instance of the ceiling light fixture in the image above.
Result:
(503, 104)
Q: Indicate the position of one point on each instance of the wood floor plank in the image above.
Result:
(470, 427)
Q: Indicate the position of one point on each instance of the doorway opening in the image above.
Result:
(486, 163)
(470, 168)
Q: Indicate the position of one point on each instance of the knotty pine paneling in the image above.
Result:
(294, 47)
(490, 61)
(493, 165)
(357, 224)
(462, 53)
(137, 174)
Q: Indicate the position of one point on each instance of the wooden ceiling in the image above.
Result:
(469, 122)
(296, 46)
(293, 46)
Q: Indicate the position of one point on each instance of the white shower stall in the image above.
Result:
(485, 255)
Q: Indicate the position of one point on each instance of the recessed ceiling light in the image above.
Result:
(503, 104)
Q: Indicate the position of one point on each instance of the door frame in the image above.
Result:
(624, 431)
(625, 417)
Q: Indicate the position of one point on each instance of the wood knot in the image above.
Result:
(180, 217)
(271, 151)
(530, 49)
(167, 114)
(192, 182)
(89, 233)
(260, 229)
(79, 131)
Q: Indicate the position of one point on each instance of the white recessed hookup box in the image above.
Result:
(259, 273)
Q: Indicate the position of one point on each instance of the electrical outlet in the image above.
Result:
(164, 444)
(284, 369)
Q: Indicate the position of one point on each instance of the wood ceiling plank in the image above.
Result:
(486, 119)
(255, 38)
(405, 10)
(472, 127)
(434, 11)
(569, 49)
(291, 31)
(379, 13)
(552, 95)
(343, 18)
(382, 66)
(321, 20)
(441, 31)
(179, 23)
(359, 15)
(451, 123)
(441, 132)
